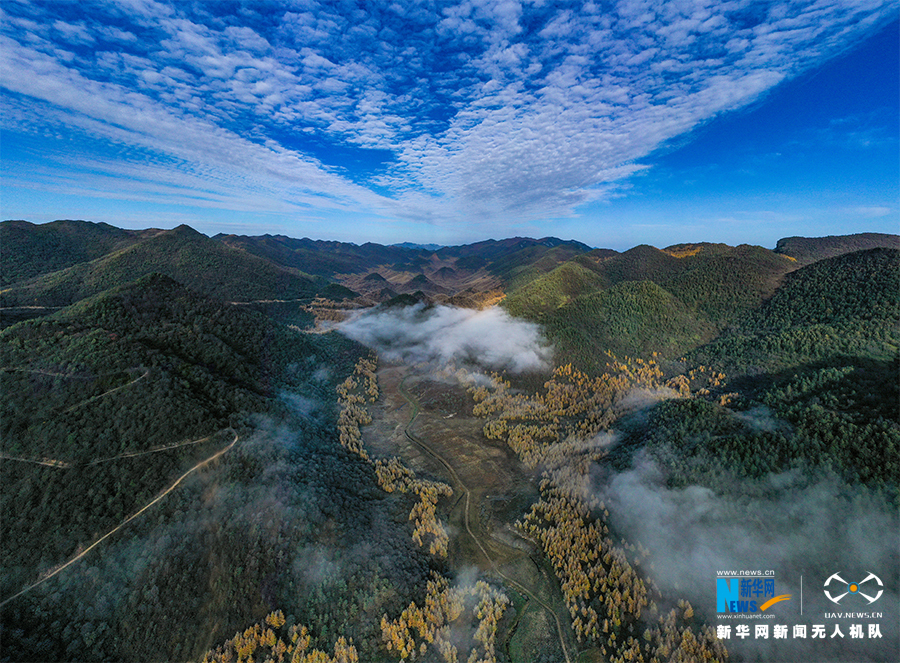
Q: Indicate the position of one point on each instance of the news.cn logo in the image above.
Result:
(746, 594)
(851, 588)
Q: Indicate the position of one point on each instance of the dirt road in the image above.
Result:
(96, 543)
(479, 539)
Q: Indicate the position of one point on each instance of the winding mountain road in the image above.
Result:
(108, 392)
(459, 485)
(96, 543)
(65, 464)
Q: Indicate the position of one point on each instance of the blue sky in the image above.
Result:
(614, 123)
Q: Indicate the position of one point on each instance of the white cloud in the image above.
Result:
(202, 158)
(446, 335)
(73, 32)
(871, 212)
(494, 111)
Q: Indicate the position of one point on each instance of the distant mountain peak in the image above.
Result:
(185, 230)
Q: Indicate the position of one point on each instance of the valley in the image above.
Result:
(516, 450)
(443, 438)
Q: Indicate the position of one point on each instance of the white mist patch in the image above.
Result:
(571, 462)
(761, 418)
(300, 405)
(783, 520)
(446, 335)
(794, 525)
(638, 399)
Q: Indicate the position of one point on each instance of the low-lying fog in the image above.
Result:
(445, 335)
(790, 523)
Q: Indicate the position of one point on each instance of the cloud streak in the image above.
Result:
(478, 110)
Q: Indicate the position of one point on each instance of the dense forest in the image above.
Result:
(744, 306)
(183, 254)
(187, 470)
(30, 250)
(109, 402)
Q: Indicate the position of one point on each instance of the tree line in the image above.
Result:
(611, 604)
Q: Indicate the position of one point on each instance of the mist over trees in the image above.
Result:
(199, 457)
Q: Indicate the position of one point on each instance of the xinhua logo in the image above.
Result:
(746, 594)
(843, 588)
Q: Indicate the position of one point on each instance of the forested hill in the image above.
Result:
(810, 249)
(329, 258)
(192, 366)
(844, 306)
(325, 258)
(56, 264)
(588, 299)
(813, 381)
(450, 274)
(647, 300)
(183, 254)
(148, 390)
(30, 250)
(856, 286)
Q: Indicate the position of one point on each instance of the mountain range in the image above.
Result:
(138, 365)
(670, 300)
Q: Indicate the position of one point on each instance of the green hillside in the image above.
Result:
(526, 264)
(182, 254)
(30, 250)
(726, 283)
(842, 306)
(322, 258)
(822, 356)
(856, 286)
(642, 263)
(834, 421)
(516, 260)
(174, 365)
(547, 293)
(719, 281)
(106, 404)
(634, 318)
(593, 303)
(807, 250)
(493, 250)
